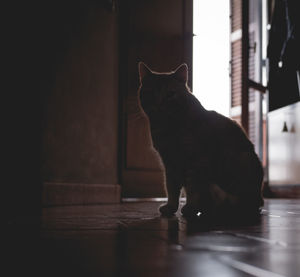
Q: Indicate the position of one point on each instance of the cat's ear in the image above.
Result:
(144, 70)
(181, 73)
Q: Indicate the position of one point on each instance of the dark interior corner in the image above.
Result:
(76, 148)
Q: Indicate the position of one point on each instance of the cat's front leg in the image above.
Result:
(198, 197)
(173, 188)
(191, 208)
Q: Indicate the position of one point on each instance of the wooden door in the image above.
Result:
(159, 33)
(246, 63)
(255, 74)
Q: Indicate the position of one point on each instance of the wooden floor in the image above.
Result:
(131, 239)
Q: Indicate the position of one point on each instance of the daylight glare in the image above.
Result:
(211, 54)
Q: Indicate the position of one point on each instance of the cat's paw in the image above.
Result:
(168, 210)
(189, 211)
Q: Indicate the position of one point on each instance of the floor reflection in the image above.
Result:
(133, 240)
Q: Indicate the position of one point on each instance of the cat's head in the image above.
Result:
(163, 94)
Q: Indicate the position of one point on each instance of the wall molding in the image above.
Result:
(61, 194)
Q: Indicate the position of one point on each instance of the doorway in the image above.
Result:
(163, 43)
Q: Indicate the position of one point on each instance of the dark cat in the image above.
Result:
(206, 153)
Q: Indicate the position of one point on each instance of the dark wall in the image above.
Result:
(80, 139)
(61, 104)
(25, 83)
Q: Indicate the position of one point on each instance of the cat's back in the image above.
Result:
(227, 132)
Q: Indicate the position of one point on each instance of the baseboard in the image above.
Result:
(285, 191)
(57, 194)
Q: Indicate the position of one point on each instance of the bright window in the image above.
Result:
(211, 82)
